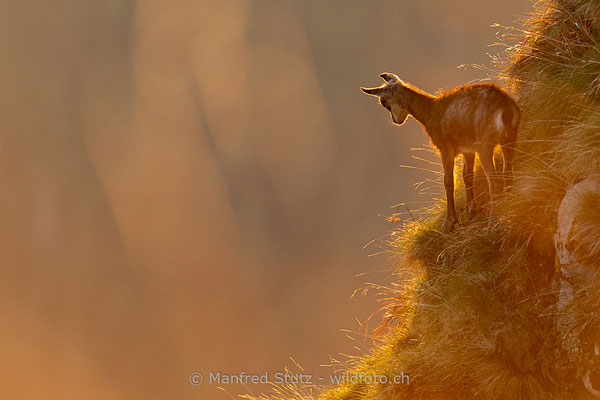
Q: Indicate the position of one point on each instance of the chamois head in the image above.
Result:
(391, 96)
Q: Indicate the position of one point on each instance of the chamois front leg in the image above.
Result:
(468, 165)
(448, 164)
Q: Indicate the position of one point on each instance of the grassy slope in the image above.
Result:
(479, 320)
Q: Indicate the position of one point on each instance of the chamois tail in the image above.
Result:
(511, 117)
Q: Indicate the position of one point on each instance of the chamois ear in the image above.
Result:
(389, 78)
(378, 91)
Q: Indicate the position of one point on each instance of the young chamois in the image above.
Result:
(466, 120)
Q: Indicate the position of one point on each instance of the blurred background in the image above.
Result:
(189, 185)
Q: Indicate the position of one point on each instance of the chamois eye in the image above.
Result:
(384, 103)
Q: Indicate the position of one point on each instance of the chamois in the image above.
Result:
(466, 120)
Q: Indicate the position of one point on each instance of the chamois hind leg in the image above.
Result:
(508, 151)
(486, 156)
(468, 164)
(448, 164)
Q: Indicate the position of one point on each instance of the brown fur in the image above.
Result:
(466, 120)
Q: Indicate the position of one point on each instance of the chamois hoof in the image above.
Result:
(449, 224)
(495, 220)
(472, 212)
